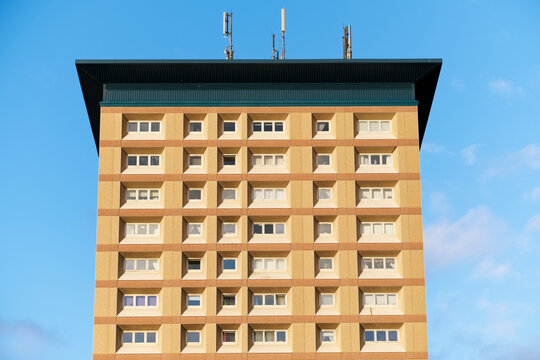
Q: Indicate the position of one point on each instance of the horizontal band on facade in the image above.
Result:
(255, 109)
(277, 143)
(260, 212)
(269, 356)
(269, 319)
(261, 177)
(260, 247)
(263, 283)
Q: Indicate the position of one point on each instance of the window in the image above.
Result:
(142, 194)
(194, 301)
(142, 229)
(131, 265)
(144, 126)
(195, 127)
(269, 336)
(194, 194)
(229, 264)
(269, 194)
(269, 228)
(229, 126)
(326, 300)
(375, 160)
(138, 301)
(193, 337)
(269, 300)
(328, 336)
(229, 336)
(195, 160)
(228, 229)
(194, 264)
(194, 229)
(379, 263)
(381, 335)
(323, 159)
(229, 160)
(268, 126)
(376, 193)
(326, 264)
(324, 228)
(324, 193)
(374, 126)
(229, 194)
(269, 264)
(229, 300)
(139, 337)
(322, 126)
(380, 299)
(377, 228)
(269, 160)
(143, 160)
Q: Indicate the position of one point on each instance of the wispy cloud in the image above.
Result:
(472, 235)
(534, 194)
(526, 158)
(438, 203)
(469, 153)
(504, 87)
(488, 269)
(24, 340)
(433, 148)
(533, 225)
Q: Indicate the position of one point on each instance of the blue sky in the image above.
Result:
(480, 157)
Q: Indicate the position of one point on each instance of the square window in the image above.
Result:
(140, 301)
(269, 300)
(375, 160)
(229, 300)
(258, 264)
(369, 335)
(154, 160)
(229, 336)
(129, 265)
(379, 263)
(257, 229)
(392, 299)
(127, 338)
(381, 335)
(323, 126)
(328, 336)
(193, 337)
(363, 126)
(280, 299)
(369, 299)
(258, 194)
(392, 335)
(385, 126)
(195, 194)
(152, 300)
(128, 300)
(194, 229)
(257, 126)
(142, 229)
(365, 228)
(373, 126)
(270, 264)
(229, 194)
(367, 264)
(257, 160)
(377, 228)
(195, 127)
(151, 337)
(258, 336)
(257, 300)
(154, 195)
(325, 229)
(153, 265)
(268, 228)
(130, 229)
(268, 126)
(280, 229)
(194, 264)
(229, 264)
(155, 127)
(326, 299)
(194, 300)
(195, 160)
(386, 159)
(229, 160)
(281, 336)
(380, 299)
(131, 194)
(323, 159)
(139, 337)
(132, 126)
(390, 263)
(279, 160)
(388, 194)
(268, 160)
(326, 264)
(229, 229)
(377, 194)
(363, 159)
(389, 228)
(280, 194)
(141, 265)
(132, 160)
(143, 160)
(280, 264)
(269, 336)
(144, 127)
(324, 194)
(278, 126)
(143, 194)
(229, 126)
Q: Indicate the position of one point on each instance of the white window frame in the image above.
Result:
(135, 306)
(228, 165)
(329, 159)
(229, 342)
(322, 122)
(194, 156)
(193, 296)
(379, 125)
(386, 299)
(333, 341)
(235, 265)
(380, 330)
(200, 225)
(268, 259)
(138, 194)
(150, 123)
(333, 300)
(371, 191)
(263, 122)
(145, 343)
(389, 163)
(264, 305)
(325, 223)
(137, 226)
(319, 193)
(326, 258)
(229, 306)
(138, 156)
(228, 131)
(147, 266)
(274, 226)
(385, 264)
(275, 337)
(263, 160)
(194, 270)
(190, 343)
(371, 226)
(228, 189)
(274, 192)
(195, 132)
(195, 200)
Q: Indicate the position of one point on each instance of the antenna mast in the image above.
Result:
(283, 34)
(227, 33)
(347, 44)
(275, 53)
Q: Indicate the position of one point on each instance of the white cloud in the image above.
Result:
(533, 225)
(487, 269)
(469, 153)
(433, 148)
(26, 340)
(474, 234)
(534, 194)
(527, 158)
(504, 87)
(438, 203)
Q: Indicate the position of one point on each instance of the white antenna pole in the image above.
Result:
(227, 33)
(283, 34)
(349, 44)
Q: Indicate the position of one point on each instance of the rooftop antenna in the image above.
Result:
(275, 52)
(347, 44)
(227, 33)
(282, 34)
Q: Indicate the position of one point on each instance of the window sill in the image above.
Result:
(261, 204)
(381, 347)
(379, 274)
(142, 205)
(192, 349)
(381, 310)
(141, 349)
(269, 275)
(328, 348)
(274, 348)
(141, 276)
(378, 239)
(139, 312)
(377, 204)
(229, 348)
(140, 240)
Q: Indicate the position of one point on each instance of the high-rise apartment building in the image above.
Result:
(259, 209)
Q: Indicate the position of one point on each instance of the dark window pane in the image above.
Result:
(155, 127)
(257, 228)
(369, 336)
(229, 126)
(229, 264)
(152, 301)
(268, 228)
(257, 127)
(381, 335)
(229, 336)
(151, 337)
(229, 300)
(144, 127)
(127, 338)
(392, 335)
(257, 300)
(143, 160)
(128, 300)
(193, 336)
(281, 336)
(139, 337)
(132, 160)
(194, 264)
(278, 127)
(269, 300)
(268, 126)
(229, 160)
(140, 301)
(195, 127)
(154, 160)
(132, 127)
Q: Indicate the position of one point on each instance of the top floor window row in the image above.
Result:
(144, 127)
(374, 126)
(268, 126)
(143, 160)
